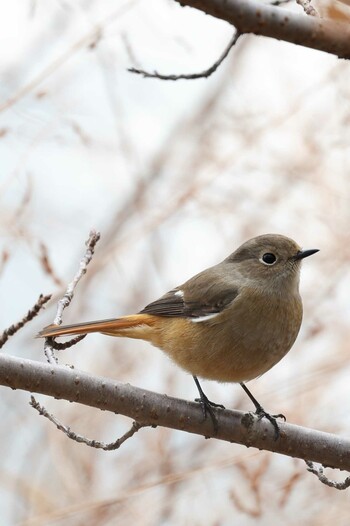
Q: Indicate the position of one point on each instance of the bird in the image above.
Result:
(231, 322)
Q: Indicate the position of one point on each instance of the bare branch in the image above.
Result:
(191, 76)
(251, 16)
(150, 408)
(10, 331)
(65, 345)
(68, 296)
(279, 2)
(48, 351)
(325, 480)
(50, 345)
(110, 446)
(308, 8)
(64, 302)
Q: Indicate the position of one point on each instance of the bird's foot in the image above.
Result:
(261, 413)
(207, 405)
(207, 408)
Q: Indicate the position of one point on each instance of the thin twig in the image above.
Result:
(50, 345)
(110, 446)
(65, 345)
(325, 480)
(10, 331)
(65, 301)
(191, 76)
(68, 296)
(50, 355)
(279, 2)
(308, 7)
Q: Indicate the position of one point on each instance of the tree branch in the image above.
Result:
(109, 446)
(68, 295)
(150, 408)
(66, 300)
(325, 480)
(191, 76)
(308, 7)
(251, 16)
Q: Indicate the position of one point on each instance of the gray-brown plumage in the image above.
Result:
(231, 322)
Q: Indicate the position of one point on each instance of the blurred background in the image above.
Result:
(175, 175)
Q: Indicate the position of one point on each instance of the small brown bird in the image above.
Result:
(230, 323)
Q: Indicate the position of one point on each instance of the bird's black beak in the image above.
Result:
(305, 253)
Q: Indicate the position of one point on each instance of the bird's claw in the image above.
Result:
(261, 413)
(207, 407)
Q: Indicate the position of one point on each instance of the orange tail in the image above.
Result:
(114, 327)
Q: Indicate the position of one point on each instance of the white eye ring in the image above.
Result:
(268, 259)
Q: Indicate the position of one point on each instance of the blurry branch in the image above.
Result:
(89, 40)
(49, 70)
(153, 409)
(4, 258)
(46, 264)
(111, 446)
(280, 2)
(251, 16)
(253, 477)
(191, 76)
(34, 311)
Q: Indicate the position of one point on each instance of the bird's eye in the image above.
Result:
(268, 258)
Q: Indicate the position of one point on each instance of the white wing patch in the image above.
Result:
(179, 293)
(205, 318)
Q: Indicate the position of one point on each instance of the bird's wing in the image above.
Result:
(204, 295)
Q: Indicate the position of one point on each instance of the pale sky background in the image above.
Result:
(261, 146)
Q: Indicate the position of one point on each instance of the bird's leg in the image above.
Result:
(261, 413)
(207, 405)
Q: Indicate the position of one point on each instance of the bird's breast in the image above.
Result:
(241, 343)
